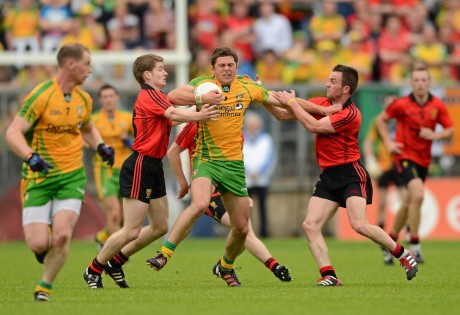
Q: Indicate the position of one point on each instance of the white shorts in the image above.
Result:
(46, 212)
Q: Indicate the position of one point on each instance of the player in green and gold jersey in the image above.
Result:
(218, 157)
(48, 134)
(115, 127)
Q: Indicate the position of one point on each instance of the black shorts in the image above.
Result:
(409, 170)
(216, 208)
(390, 177)
(142, 178)
(341, 182)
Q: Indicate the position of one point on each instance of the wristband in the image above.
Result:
(198, 100)
(290, 101)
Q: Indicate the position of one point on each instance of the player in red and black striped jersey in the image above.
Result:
(142, 183)
(416, 118)
(344, 181)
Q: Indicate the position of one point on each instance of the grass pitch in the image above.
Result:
(187, 286)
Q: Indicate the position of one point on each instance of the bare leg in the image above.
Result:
(114, 213)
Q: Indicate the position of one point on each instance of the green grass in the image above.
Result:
(186, 285)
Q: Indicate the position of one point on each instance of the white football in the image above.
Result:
(205, 87)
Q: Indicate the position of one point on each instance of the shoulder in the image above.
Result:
(85, 95)
(323, 101)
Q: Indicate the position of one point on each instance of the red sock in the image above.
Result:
(327, 271)
(271, 263)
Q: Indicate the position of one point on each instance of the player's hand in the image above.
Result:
(394, 147)
(373, 167)
(212, 97)
(209, 112)
(427, 134)
(330, 110)
(284, 97)
(107, 153)
(38, 164)
(182, 190)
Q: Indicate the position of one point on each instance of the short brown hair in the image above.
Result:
(223, 52)
(106, 87)
(71, 51)
(144, 63)
(349, 76)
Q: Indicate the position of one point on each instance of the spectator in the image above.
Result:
(55, 22)
(158, 23)
(449, 14)
(86, 31)
(431, 52)
(355, 55)
(22, 27)
(206, 24)
(298, 60)
(327, 25)
(272, 30)
(393, 45)
(200, 66)
(270, 68)
(325, 59)
(259, 164)
(238, 31)
(124, 26)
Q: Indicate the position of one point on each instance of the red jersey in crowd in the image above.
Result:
(410, 117)
(151, 127)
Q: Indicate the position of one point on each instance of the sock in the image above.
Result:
(96, 267)
(168, 249)
(271, 263)
(226, 263)
(399, 251)
(44, 287)
(102, 235)
(393, 236)
(118, 260)
(327, 271)
(414, 239)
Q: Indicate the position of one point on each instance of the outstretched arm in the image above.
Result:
(307, 106)
(206, 113)
(313, 125)
(185, 95)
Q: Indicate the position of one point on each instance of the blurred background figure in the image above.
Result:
(259, 162)
(55, 22)
(381, 168)
(115, 127)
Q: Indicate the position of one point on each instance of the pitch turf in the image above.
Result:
(187, 286)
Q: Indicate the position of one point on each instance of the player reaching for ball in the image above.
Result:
(218, 159)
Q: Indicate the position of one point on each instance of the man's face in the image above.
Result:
(225, 69)
(420, 82)
(157, 79)
(81, 69)
(334, 89)
(109, 100)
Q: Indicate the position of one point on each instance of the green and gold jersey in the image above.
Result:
(56, 121)
(113, 130)
(222, 140)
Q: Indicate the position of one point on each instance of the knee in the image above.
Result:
(38, 246)
(61, 239)
(197, 208)
(158, 230)
(310, 227)
(131, 234)
(417, 197)
(360, 227)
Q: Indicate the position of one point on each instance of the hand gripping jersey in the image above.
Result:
(56, 121)
(112, 132)
(222, 140)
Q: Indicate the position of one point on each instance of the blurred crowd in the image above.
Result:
(284, 41)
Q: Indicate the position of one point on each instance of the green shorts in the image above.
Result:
(229, 176)
(38, 192)
(107, 181)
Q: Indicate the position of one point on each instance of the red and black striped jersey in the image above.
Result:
(341, 147)
(151, 128)
(410, 117)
